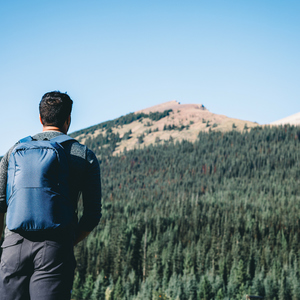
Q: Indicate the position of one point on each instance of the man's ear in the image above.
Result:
(67, 124)
(41, 119)
(69, 120)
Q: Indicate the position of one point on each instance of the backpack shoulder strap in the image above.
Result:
(26, 139)
(62, 138)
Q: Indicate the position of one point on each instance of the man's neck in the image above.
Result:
(52, 128)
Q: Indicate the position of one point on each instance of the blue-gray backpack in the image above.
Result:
(37, 192)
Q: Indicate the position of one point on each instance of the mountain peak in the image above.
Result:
(166, 121)
(173, 105)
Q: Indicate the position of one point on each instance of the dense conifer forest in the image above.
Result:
(214, 219)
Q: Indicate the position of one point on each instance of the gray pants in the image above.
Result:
(36, 269)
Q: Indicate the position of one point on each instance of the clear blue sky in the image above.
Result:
(239, 58)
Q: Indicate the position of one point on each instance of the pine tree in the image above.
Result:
(99, 288)
(88, 287)
(192, 287)
(205, 289)
(241, 275)
(271, 287)
(220, 295)
(77, 287)
(284, 289)
(118, 290)
(258, 285)
(294, 280)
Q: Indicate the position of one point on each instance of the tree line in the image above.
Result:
(214, 219)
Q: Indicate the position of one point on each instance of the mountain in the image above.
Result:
(169, 120)
(292, 120)
(215, 218)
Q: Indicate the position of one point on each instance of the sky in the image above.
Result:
(239, 58)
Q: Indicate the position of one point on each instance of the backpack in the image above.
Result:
(37, 192)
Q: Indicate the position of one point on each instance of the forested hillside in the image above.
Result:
(214, 219)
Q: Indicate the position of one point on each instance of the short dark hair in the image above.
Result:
(55, 107)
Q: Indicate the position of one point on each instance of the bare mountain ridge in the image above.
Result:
(292, 120)
(183, 121)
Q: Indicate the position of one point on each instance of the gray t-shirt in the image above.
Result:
(84, 179)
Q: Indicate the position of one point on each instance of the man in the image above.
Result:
(39, 265)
